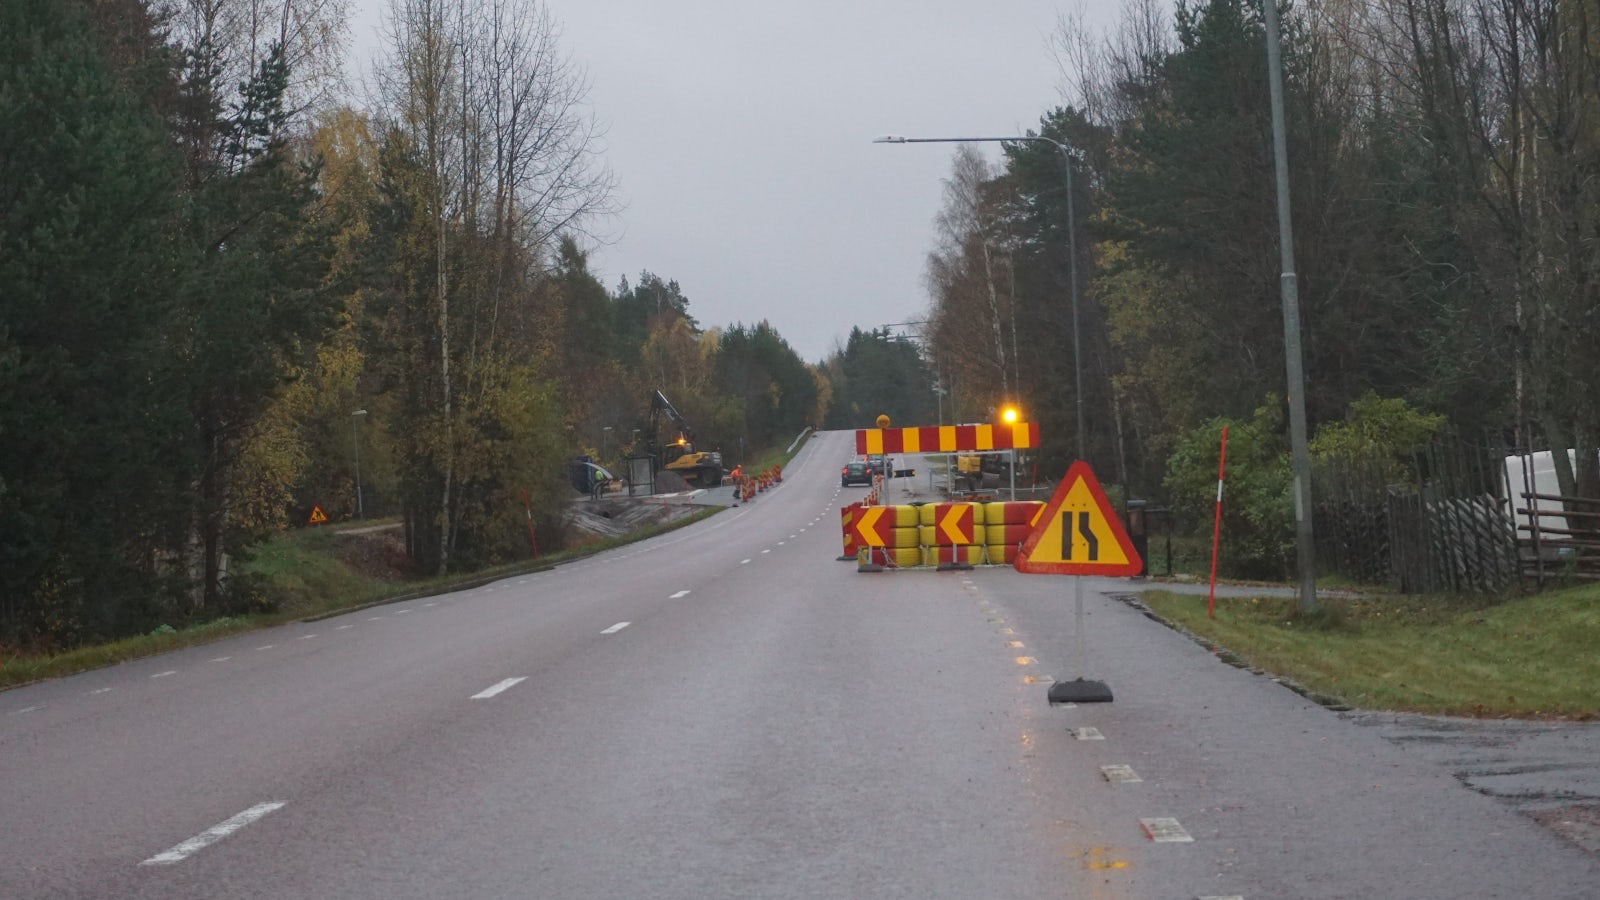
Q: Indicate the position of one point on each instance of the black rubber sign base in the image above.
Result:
(1080, 691)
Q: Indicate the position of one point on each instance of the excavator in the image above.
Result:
(700, 468)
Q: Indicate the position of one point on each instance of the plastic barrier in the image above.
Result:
(1001, 554)
(927, 534)
(847, 518)
(1006, 534)
(906, 516)
(905, 538)
(932, 513)
(891, 557)
(968, 555)
(1014, 512)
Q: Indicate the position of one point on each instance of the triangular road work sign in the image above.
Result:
(1078, 533)
(317, 515)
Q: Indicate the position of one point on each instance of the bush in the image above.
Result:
(1258, 536)
(1380, 431)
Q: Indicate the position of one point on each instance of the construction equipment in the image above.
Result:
(701, 468)
(981, 471)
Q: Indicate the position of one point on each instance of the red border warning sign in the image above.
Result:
(1078, 533)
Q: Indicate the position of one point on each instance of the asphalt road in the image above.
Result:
(726, 711)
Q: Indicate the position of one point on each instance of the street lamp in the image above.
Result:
(1299, 450)
(1072, 241)
(1010, 415)
(923, 343)
(355, 431)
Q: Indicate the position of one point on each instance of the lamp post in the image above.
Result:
(1299, 451)
(1072, 242)
(355, 431)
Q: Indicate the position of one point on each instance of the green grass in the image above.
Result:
(306, 579)
(777, 456)
(1530, 656)
(303, 573)
(24, 669)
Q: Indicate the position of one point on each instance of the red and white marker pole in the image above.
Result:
(1216, 528)
(531, 539)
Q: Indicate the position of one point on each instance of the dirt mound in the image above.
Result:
(586, 522)
(376, 553)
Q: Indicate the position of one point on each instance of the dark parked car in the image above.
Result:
(855, 472)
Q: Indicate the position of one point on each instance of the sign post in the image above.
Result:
(1078, 534)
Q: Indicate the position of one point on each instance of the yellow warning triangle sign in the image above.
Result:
(317, 515)
(1078, 533)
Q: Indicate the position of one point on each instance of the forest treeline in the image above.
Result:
(228, 290)
(1445, 178)
(226, 275)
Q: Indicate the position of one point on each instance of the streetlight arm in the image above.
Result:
(1072, 242)
(901, 139)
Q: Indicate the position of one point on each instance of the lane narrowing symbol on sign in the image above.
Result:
(1088, 537)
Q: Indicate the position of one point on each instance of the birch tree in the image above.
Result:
(491, 155)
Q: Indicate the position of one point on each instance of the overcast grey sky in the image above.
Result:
(741, 137)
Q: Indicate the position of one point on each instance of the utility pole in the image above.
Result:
(355, 430)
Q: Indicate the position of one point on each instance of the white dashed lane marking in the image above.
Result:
(222, 659)
(744, 562)
(495, 689)
(1165, 831)
(1088, 734)
(165, 674)
(102, 690)
(267, 647)
(679, 594)
(1120, 774)
(616, 628)
(211, 835)
(306, 637)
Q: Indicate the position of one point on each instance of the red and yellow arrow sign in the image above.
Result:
(874, 526)
(955, 524)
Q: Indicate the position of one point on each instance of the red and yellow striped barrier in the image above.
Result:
(947, 438)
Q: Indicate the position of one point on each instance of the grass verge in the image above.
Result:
(1524, 657)
(308, 581)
